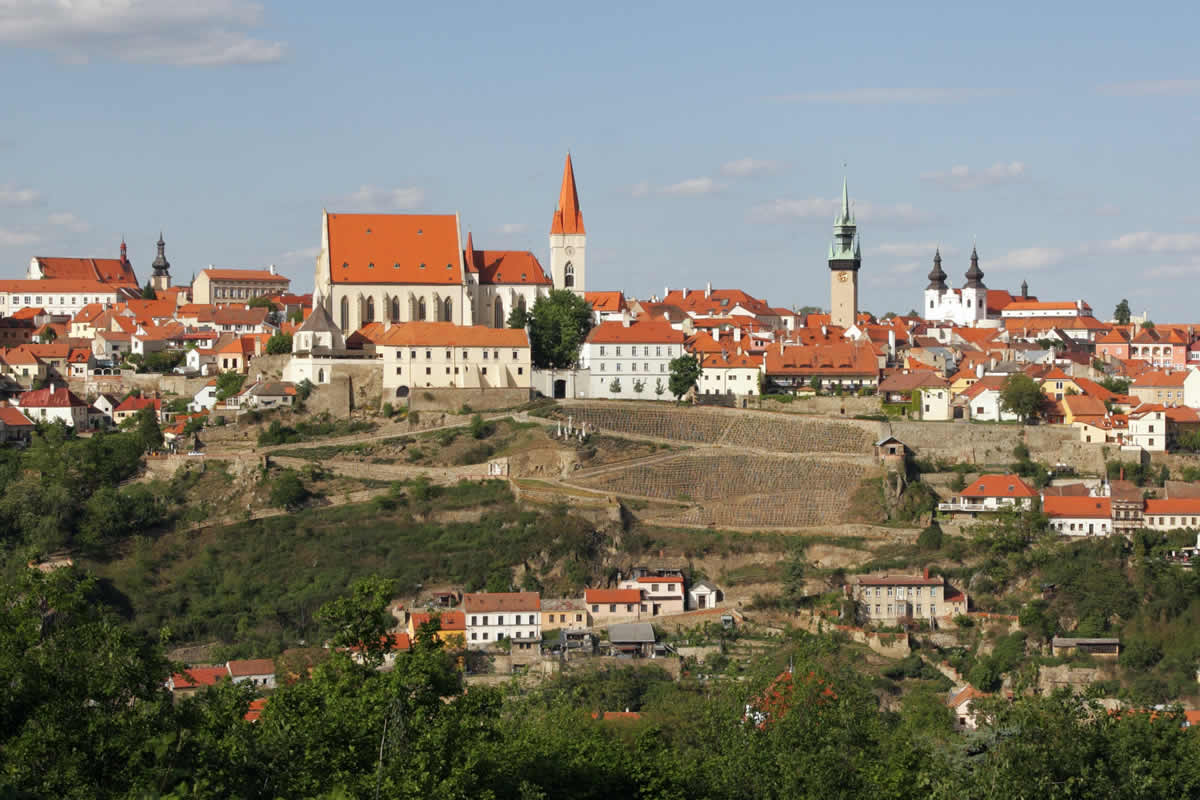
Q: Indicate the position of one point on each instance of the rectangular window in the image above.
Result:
(601, 349)
(515, 356)
(595, 608)
(618, 366)
(474, 636)
(428, 371)
(428, 354)
(465, 353)
(485, 355)
(484, 370)
(579, 617)
(658, 351)
(520, 370)
(398, 370)
(618, 351)
(448, 370)
(485, 635)
(449, 355)
(496, 354)
(474, 621)
(612, 607)
(485, 622)
(413, 354)
(500, 619)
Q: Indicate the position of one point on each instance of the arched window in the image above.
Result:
(448, 310)
(395, 309)
(498, 314)
(569, 275)
(345, 313)
(321, 373)
(521, 304)
(370, 309)
(421, 308)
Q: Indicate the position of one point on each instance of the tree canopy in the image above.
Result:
(685, 371)
(1022, 396)
(558, 325)
(279, 344)
(1122, 313)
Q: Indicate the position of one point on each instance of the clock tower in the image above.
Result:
(845, 257)
(568, 239)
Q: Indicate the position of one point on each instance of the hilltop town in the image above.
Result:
(549, 477)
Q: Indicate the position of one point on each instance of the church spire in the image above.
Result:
(937, 277)
(975, 274)
(845, 218)
(161, 265)
(567, 217)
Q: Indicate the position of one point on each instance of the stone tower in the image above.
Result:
(974, 292)
(161, 279)
(937, 287)
(568, 239)
(845, 257)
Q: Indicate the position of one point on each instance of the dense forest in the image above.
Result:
(84, 713)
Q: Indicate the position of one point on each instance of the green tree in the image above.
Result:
(48, 335)
(148, 431)
(1022, 396)
(362, 618)
(518, 317)
(930, 538)
(148, 292)
(262, 302)
(815, 384)
(229, 384)
(288, 491)
(614, 386)
(1148, 325)
(659, 388)
(558, 324)
(1122, 313)
(296, 316)
(638, 385)
(684, 372)
(794, 569)
(279, 344)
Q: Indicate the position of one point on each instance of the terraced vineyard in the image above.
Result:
(759, 431)
(745, 489)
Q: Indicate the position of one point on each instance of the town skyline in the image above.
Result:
(212, 127)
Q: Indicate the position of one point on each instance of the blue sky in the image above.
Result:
(708, 139)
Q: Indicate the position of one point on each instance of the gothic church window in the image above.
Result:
(569, 275)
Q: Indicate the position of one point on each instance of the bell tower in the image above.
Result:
(845, 257)
(161, 279)
(568, 239)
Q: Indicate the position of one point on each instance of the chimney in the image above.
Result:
(666, 291)
(979, 370)
(737, 334)
(625, 318)
(685, 293)
(824, 331)
(926, 573)
(708, 290)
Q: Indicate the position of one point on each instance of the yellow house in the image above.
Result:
(1057, 384)
(961, 381)
(453, 626)
(565, 613)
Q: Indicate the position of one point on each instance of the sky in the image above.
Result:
(709, 141)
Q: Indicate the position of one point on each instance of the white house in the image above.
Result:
(1172, 513)
(729, 373)
(631, 360)
(983, 400)
(495, 616)
(991, 493)
(258, 672)
(1079, 516)
(55, 403)
(703, 595)
(204, 399)
(661, 594)
(1148, 430)
(445, 355)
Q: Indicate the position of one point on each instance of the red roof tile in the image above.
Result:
(57, 397)
(999, 486)
(638, 332)
(605, 596)
(567, 217)
(506, 266)
(1078, 507)
(395, 248)
(502, 601)
(256, 275)
(447, 334)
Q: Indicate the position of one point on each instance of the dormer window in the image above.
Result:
(419, 231)
(396, 266)
(422, 265)
(371, 265)
(345, 264)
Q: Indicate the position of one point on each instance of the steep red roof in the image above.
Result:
(448, 620)
(1165, 378)
(1180, 505)
(195, 677)
(1084, 405)
(506, 266)
(56, 397)
(606, 301)
(716, 302)
(395, 248)
(138, 403)
(252, 666)
(843, 358)
(13, 418)
(105, 270)
(567, 216)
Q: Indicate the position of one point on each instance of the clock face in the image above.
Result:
(843, 276)
(570, 251)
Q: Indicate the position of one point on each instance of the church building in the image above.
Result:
(412, 267)
(965, 307)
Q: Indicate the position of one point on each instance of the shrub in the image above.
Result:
(288, 491)
(931, 538)
(480, 429)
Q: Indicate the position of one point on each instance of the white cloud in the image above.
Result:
(1175, 270)
(823, 208)
(375, 198)
(1171, 87)
(65, 219)
(1028, 258)
(963, 177)
(745, 167)
(512, 227)
(17, 238)
(15, 197)
(1149, 242)
(910, 95)
(179, 32)
(691, 186)
(301, 255)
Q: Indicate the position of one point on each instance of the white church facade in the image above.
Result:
(965, 307)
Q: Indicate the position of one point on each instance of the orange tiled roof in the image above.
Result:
(251, 666)
(600, 596)
(195, 677)
(1179, 505)
(58, 286)
(1161, 378)
(13, 418)
(105, 270)
(502, 601)
(999, 486)
(447, 334)
(395, 248)
(1085, 507)
(506, 266)
(449, 621)
(606, 301)
(258, 275)
(638, 332)
(843, 358)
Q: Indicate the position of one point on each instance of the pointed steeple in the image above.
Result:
(1024, 290)
(469, 253)
(937, 277)
(974, 274)
(844, 245)
(567, 217)
(124, 257)
(845, 218)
